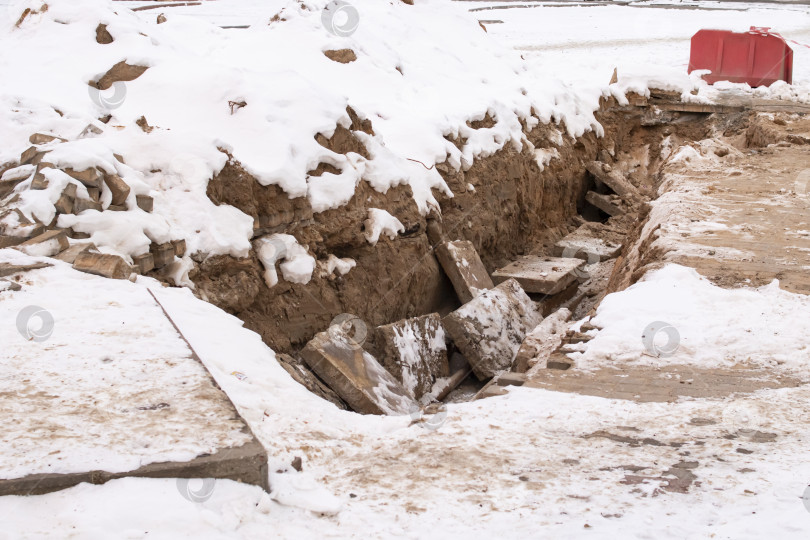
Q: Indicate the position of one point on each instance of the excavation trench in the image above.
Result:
(508, 204)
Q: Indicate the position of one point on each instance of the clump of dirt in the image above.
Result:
(773, 128)
(343, 56)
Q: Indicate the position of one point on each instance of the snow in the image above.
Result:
(334, 264)
(380, 222)
(91, 396)
(298, 264)
(716, 327)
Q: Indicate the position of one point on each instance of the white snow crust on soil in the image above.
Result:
(412, 79)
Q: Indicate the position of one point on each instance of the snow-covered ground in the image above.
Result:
(521, 465)
(644, 41)
(534, 463)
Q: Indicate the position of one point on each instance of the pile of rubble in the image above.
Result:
(90, 189)
(513, 320)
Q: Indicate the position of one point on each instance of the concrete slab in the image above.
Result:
(489, 330)
(541, 274)
(461, 263)
(414, 351)
(114, 392)
(592, 242)
(605, 203)
(355, 375)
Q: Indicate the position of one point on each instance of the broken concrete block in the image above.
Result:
(31, 156)
(44, 138)
(119, 188)
(80, 205)
(10, 241)
(64, 205)
(101, 264)
(117, 208)
(511, 379)
(163, 254)
(39, 181)
(70, 254)
(591, 242)
(461, 263)
(70, 191)
(8, 185)
(306, 378)
(414, 351)
(46, 244)
(540, 274)
(91, 177)
(604, 203)
(542, 341)
(559, 361)
(77, 235)
(144, 202)
(355, 375)
(95, 194)
(489, 329)
(9, 269)
(179, 247)
(614, 180)
(10, 286)
(144, 263)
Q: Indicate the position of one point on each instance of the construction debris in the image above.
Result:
(355, 375)
(592, 242)
(163, 254)
(144, 263)
(306, 378)
(615, 181)
(461, 263)
(91, 177)
(9, 269)
(414, 351)
(119, 188)
(144, 202)
(109, 266)
(70, 254)
(489, 329)
(47, 244)
(612, 206)
(541, 342)
(540, 274)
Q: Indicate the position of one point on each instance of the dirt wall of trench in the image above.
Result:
(513, 207)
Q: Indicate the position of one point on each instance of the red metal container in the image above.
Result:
(757, 57)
